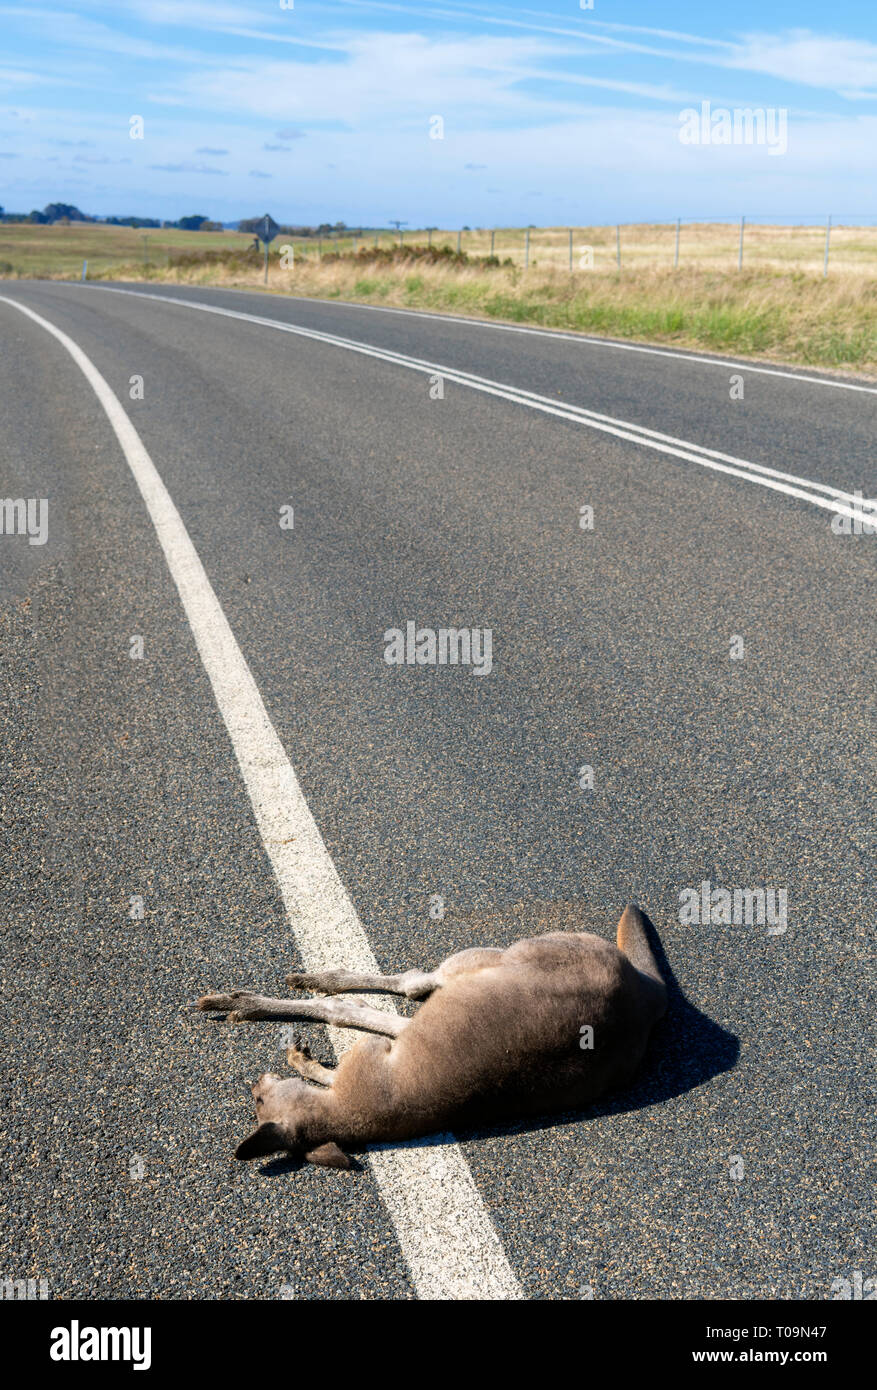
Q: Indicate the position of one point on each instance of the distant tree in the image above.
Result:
(54, 212)
(191, 224)
(134, 222)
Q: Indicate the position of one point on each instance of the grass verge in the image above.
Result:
(769, 314)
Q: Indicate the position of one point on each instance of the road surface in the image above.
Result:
(260, 785)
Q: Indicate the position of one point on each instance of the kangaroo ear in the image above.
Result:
(328, 1156)
(267, 1139)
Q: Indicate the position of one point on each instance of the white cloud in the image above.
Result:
(388, 77)
(848, 66)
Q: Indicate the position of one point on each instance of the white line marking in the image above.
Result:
(444, 1230)
(580, 338)
(835, 499)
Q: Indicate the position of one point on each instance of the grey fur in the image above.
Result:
(502, 1035)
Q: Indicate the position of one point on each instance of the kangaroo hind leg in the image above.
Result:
(413, 984)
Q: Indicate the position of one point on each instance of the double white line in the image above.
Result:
(830, 499)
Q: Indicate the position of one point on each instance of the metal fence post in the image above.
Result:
(740, 254)
(676, 260)
(827, 243)
(492, 239)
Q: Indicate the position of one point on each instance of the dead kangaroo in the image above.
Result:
(503, 1034)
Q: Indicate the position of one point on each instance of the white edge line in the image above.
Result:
(444, 1230)
(637, 434)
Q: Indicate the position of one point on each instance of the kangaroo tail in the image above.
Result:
(633, 942)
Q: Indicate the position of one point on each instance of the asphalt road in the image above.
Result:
(740, 1165)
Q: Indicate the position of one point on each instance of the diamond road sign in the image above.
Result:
(268, 228)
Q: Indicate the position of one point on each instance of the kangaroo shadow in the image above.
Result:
(686, 1049)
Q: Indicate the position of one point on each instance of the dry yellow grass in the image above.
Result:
(710, 246)
(56, 252)
(777, 308)
(771, 315)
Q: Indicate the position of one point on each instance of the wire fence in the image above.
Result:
(840, 243)
(837, 244)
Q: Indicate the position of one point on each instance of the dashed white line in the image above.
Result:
(444, 1230)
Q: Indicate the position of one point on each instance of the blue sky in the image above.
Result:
(551, 114)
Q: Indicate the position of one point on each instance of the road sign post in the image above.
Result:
(269, 231)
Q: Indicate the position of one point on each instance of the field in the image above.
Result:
(778, 307)
(57, 252)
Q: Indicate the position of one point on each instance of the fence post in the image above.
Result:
(827, 243)
(618, 245)
(527, 249)
(570, 250)
(740, 254)
(492, 239)
(429, 236)
(676, 260)
(320, 248)
(459, 240)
